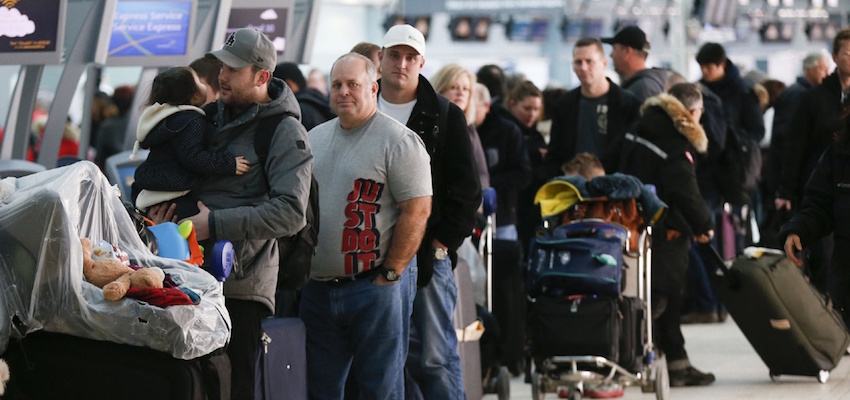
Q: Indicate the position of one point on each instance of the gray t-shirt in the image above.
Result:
(363, 173)
(592, 124)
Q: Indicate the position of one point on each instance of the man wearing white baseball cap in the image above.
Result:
(407, 96)
(253, 209)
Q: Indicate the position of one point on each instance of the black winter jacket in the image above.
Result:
(664, 155)
(179, 159)
(826, 209)
(622, 113)
(784, 110)
(507, 162)
(739, 102)
(315, 107)
(816, 123)
(457, 190)
(714, 123)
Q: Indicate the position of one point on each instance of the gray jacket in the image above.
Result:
(268, 202)
(647, 83)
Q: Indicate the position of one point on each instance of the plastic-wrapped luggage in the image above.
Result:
(42, 218)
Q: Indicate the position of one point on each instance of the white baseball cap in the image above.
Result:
(405, 35)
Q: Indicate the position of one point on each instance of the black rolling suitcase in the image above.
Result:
(509, 302)
(576, 326)
(791, 325)
(633, 333)
(282, 363)
(48, 365)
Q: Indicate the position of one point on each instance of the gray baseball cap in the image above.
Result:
(246, 47)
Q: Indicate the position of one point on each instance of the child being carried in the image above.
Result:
(174, 128)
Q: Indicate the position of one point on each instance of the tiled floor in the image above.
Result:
(723, 350)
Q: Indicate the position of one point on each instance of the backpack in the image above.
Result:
(738, 169)
(295, 253)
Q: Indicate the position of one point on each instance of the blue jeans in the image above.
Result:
(506, 232)
(359, 326)
(433, 361)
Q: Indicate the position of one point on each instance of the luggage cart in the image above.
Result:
(573, 375)
(497, 380)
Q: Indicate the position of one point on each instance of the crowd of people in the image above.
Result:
(402, 159)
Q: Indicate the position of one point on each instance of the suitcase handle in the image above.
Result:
(731, 276)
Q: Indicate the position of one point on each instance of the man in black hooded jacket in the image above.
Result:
(315, 106)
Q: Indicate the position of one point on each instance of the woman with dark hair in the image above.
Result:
(174, 128)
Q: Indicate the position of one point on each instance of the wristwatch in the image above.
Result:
(440, 253)
(390, 275)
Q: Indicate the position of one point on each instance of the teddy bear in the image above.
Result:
(114, 277)
(4, 376)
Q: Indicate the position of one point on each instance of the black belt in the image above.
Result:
(341, 280)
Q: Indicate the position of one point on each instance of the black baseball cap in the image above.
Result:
(631, 36)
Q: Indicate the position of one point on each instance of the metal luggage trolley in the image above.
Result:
(500, 379)
(572, 374)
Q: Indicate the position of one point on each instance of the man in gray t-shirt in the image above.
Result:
(375, 184)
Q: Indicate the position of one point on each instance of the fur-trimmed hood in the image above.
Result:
(681, 119)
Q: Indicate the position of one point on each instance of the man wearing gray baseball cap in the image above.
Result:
(268, 202)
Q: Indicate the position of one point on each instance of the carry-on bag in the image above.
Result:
(469, 330)
(282, 363)
(576, 266)
(47, 365)
(791, 325)
(633, 334)
(576, 326)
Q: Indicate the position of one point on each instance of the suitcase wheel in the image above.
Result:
(823, 376)
(774, 377)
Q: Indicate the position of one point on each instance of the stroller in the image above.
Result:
(588, 283)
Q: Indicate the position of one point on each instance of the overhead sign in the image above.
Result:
(31, 31)
(480, 6)
(270, 21)
(142, 28)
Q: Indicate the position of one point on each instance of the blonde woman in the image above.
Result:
(457, 83)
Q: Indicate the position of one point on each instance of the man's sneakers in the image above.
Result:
(690, 376)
